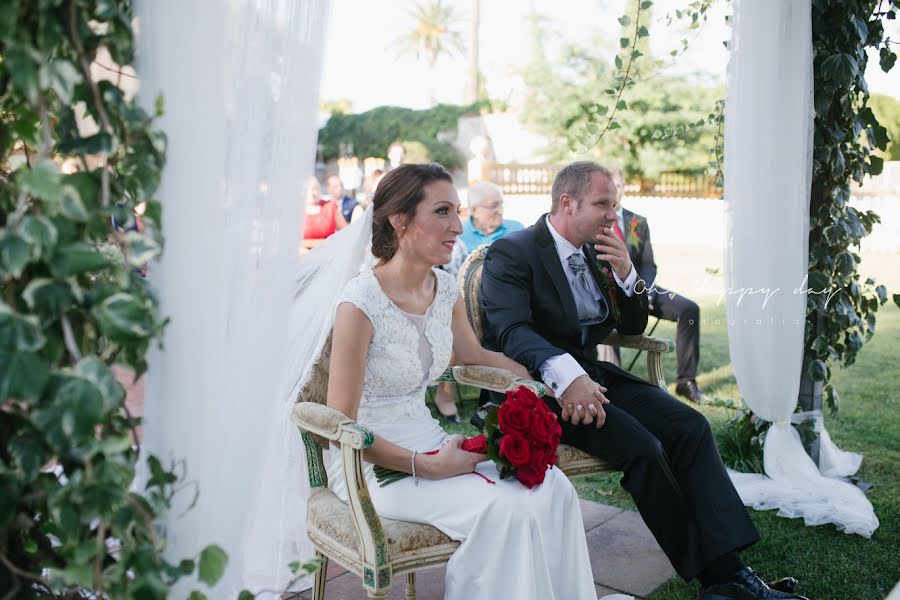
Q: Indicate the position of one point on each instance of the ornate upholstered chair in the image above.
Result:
(352, 534)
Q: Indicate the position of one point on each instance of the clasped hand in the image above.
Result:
(582, 402)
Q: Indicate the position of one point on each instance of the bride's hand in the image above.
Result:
(451, 460)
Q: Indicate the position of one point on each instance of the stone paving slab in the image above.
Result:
(626, 557)
(594, 513)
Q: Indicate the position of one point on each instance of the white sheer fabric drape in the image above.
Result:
(240, 83)
(768, 163)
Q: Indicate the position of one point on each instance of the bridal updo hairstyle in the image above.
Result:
(400, 191)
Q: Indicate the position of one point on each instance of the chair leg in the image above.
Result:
(411, 586)
(377, 595)
(320, 578)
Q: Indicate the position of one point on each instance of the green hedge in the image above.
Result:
(373, 131)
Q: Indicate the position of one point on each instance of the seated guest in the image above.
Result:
(322, 217)
(550, 294)
(664, 303)
(486, 223)
(349, 207)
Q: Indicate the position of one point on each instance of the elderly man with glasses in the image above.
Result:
(486, 224)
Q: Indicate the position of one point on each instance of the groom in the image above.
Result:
(551, 293)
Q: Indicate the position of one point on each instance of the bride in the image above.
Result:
(395, 326)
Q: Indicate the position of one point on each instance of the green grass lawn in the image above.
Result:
(830, 565)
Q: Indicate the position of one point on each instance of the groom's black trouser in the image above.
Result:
(671, 468)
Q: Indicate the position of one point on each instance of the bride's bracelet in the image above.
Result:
(415, 479)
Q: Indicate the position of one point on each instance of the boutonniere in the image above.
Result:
(633, 239)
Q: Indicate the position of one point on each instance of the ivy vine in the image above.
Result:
(77, 156)
(847, 133)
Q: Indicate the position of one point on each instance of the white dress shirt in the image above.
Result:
(558, 372)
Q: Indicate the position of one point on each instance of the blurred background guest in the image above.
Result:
(486, 224)
(323, 217)
(348, 206)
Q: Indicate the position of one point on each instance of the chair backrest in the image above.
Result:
(316, 387)
(470, 289)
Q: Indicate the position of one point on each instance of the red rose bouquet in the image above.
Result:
(521, 437)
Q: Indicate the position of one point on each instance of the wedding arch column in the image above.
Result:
(768, 163)
(239, 82)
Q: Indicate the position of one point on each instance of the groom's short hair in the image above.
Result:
(575, 180)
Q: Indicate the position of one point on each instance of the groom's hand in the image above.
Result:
(582, 402)
(613, 250)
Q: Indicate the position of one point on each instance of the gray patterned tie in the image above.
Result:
(589, 310)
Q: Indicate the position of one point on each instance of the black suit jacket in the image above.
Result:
(637, 238)
(530, 314)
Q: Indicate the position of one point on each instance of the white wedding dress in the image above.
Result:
(516, 543)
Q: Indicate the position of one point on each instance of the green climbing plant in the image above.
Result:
(77, 156)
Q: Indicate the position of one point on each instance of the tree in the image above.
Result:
(665, 128)
(433, 35)
(473, 76)
(887, 111)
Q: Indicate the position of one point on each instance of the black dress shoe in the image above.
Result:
(785, 584)
(747, 586)
(689, 390)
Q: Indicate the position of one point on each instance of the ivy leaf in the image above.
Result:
(212, 564)
(197, 595)
(897, 300)
(40, 233)
(14, 252)
(71, 204)
(876, 165)
(123, 318)
(623, 42)
(22, 375)
(624, 20)
(76, 258)
(49, 298)
(881, 292)
(886, 59)
(646, 4)
(615, 125)
(18, 332)
(622, 105)
(100, 143)
(42, 180)
(245, 595)
(81, 407)
(22, 63)
(141, 249)
(619, 63)
(862, 28)
(643, 32)
(840, 68)
(818, 371)
(61, 76)
(94, 370)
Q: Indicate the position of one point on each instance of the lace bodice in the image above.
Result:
(395, 377)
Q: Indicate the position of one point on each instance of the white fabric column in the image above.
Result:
(240, 83)
(768, 163)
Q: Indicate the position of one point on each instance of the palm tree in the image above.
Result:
(433, 34)
(473, 78)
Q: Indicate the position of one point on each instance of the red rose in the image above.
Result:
(541, 430)
(477, 444)
(514, 417)
(515, 449)
(523, 395)
(530, 476)
(545, 457)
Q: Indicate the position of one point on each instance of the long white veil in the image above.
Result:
(276, 532)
